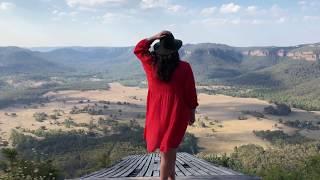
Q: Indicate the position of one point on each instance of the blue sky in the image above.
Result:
(123, 22)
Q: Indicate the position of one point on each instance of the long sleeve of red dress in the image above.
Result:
(190, 89)
(142, 52)
(169, 104)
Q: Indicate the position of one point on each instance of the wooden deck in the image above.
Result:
(147, 166)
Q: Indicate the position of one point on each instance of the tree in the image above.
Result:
(10, 154)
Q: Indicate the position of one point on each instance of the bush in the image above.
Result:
(189, 144)
(76, 153)
(254, 113)
(299, 162)
(279, 137)
(16, 168)
(241, 117)
(40, 117)
(279, 110)
(222, 160)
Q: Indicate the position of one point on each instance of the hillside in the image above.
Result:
(17, 60)
(67, 100)
(279, 69)
(209, 60)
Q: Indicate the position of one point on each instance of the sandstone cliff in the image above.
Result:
(302, 52)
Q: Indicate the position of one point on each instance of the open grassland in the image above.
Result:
(218, 126)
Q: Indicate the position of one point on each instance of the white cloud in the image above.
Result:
(208, 11)
(73, 14)
(58, 15)
(109, 18)
(6, 6)
(55, 12)
(311, 18)
(235, 21)
(309, 5)
(281, 20)
(277, 11)
(251, 9)
(148, 4)
(93, 3)
(62, 13)
(214, 21)
(175, 8)
(87, 9)
(256, 21)
(302, 2)
(230, 8)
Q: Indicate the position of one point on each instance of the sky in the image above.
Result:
(32, 23)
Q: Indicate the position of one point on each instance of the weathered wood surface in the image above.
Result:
(147, 166)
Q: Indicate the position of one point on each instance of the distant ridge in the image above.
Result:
(19, 60)
(266, 66)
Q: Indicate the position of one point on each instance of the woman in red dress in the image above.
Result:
(171, 99)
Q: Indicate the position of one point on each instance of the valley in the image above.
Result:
(80, 109)
(217, 127)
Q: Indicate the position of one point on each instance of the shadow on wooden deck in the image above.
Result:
(147, 166)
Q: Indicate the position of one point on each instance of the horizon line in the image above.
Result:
(130, 46)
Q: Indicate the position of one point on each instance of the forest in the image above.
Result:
(75, 153)
(292, 158)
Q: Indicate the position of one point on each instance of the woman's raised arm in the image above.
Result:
(142, 49)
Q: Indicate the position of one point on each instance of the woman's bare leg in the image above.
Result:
(167, 164)
(172, 175)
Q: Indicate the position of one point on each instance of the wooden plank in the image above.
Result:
(118, 168)
(182, 169)
(143, 162)
(156, 166)
(205, 168)
(114, 167)
(190, 168)
(137, 170)
(126, 168)
(223, 171)
(189, 162)
(150, 167)
(156, 173)
(226, 171)
(132, 168)
(145, 167)
(218, 177)
(178, 172)
(178, 159)
(209, 166)
(123, 160)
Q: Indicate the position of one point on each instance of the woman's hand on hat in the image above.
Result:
(159, 35)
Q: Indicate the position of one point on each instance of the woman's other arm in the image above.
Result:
(191, 94)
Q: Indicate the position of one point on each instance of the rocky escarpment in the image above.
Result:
(302, 52)
(306, 55)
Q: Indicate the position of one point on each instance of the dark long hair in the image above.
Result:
(165, 65)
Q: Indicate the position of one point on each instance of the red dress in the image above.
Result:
(169, 104)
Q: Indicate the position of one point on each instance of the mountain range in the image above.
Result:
(265, 66)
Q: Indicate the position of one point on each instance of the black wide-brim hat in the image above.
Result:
(167, 45)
